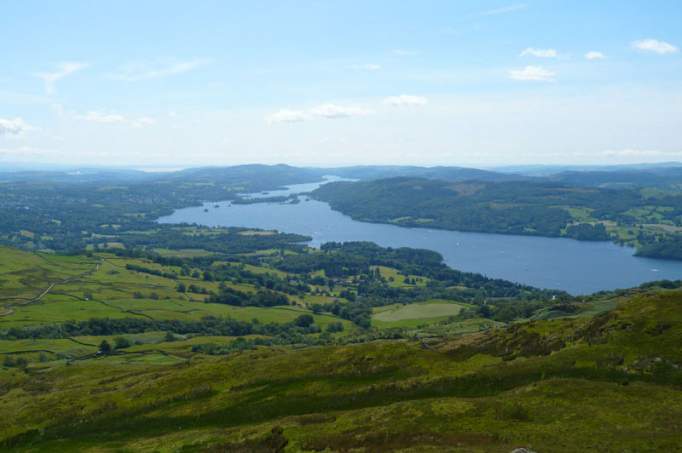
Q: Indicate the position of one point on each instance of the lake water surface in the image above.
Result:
(574, 266)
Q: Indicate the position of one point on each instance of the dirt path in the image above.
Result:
(8, 308)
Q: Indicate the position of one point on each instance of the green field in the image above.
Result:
(44, 289)
(396, 279)
(415, 314)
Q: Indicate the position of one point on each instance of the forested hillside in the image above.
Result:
(650, 220)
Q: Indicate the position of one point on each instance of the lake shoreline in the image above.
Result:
(578, 267)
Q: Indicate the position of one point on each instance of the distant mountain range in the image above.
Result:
(656, 175)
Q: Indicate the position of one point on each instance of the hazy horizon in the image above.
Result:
(152, 168)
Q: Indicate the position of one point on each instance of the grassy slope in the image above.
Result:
(81, 288)
(412, 315)
(556, 385)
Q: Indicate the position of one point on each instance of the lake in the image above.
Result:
(574, 266)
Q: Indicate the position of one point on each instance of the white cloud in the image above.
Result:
(594, 55)
(115, 118)
(504, 10)
(540, 53)
(63, 70)
(532, 73)
(326, 111)
(156, 70)
(405, 100)
(286, 116)
(366, 67)
(636, 152)
(332, 111)
(16, 126)
(655, 46)
(105, 118)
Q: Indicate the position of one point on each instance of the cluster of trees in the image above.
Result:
(261, 298)
(588, 232)
(107, 326)
(237, 273)
(227, 241)
(191, 288)
(208, 326)
(510, 310)
(359, 313)
(668, 247)
(150, 271)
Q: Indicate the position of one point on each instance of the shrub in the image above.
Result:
(121, 343)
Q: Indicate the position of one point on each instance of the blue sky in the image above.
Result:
(340, 82)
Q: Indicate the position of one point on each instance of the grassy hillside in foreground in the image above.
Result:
(608, 383)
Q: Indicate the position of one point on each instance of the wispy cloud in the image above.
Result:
(286, 116)
(594, 55)
(539, 53)
(326, 111)
(654, 46)
(155, 70)
(405, 100)
(532, 73)
(504, 10)
(366, 67)
(115, 118)
(105, 118)
(13, 126)
(63, 70)
(332, 111)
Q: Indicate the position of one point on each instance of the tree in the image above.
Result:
(182, 288)
(105, 347)
(304, 321)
